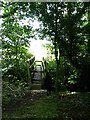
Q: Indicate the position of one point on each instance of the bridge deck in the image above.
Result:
(38, 77)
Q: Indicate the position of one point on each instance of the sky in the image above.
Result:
(36, 47)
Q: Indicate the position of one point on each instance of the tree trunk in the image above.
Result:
(56, 53)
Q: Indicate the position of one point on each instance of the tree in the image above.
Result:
(63, 23)
(14, 39)
(15, 42)
(51, 27)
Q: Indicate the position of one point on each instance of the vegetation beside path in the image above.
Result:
(67, 106)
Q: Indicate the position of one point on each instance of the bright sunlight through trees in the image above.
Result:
(36, 47)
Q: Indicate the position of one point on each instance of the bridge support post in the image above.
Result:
(28, 74)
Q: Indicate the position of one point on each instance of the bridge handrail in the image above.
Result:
(42, 64)
(30, 64)
(43, 68)
(31, 61)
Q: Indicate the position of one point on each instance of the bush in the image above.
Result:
(14, 91)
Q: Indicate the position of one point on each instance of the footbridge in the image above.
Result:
(36, 73)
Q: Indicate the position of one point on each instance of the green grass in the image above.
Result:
(66, 107)
(42, 108)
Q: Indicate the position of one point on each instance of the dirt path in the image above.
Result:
(73, 106)
(29, 97)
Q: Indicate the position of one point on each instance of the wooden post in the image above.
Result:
(28, 72)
